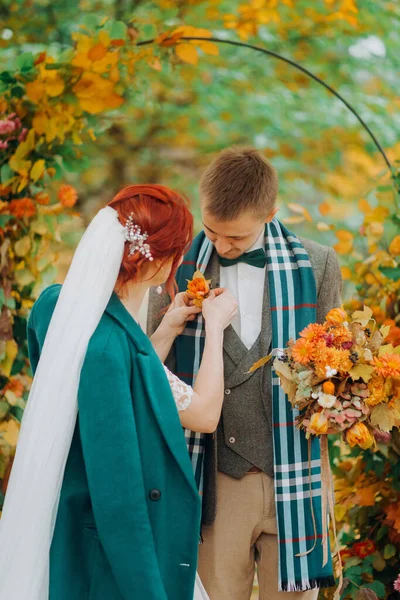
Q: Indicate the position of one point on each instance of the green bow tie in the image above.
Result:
(256, 258)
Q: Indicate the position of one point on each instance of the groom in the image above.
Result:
(255, 470)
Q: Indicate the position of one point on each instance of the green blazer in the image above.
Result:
(128, 521)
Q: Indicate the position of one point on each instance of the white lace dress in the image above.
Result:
(183, 394)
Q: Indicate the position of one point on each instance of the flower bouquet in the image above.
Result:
(343, 378)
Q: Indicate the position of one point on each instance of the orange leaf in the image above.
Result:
(260, 363)
(187, 53)
(97, 52)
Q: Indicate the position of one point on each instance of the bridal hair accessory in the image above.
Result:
(137, 239)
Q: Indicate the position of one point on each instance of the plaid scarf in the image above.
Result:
(293, 299)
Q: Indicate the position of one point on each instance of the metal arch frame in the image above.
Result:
(306, 72)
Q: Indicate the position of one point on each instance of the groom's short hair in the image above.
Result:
(240, 179)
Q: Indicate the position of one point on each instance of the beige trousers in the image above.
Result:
(244, 534)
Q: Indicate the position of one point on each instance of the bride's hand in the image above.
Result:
(219, 308)
(180, 311)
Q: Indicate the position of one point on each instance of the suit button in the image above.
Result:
(232, 440)
(155, 494)
(227, 392)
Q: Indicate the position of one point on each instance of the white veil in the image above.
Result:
(31, 503)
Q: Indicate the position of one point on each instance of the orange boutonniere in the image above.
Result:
(198, 288)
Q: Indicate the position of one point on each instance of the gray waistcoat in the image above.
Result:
(244, 435)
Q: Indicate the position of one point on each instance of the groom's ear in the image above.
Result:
(271, 214)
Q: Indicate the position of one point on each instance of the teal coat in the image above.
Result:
(128, 521)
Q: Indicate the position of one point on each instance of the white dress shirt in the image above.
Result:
(246, 283)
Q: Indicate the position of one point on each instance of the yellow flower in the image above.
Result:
(359, 435)
(318, 424)
(377, 392)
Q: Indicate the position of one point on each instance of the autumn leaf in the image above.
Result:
(363, 372)
(300, 210)
(187, 53)
(37, 170)
(260, 363)
(384, 417)
(384, 331)
(345, 244)
(9, 431)
(389, 349)
(362, 316)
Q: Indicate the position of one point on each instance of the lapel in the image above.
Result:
(155, 382)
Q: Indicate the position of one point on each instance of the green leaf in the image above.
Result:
(3, 87)
(17, 412)
(378, 588)
(384, 188)
(389, 551)
(10, 303)
(53, 66)
(116, 29)
(4, 219)
(17, 91)
(392, 273)
(5, 173)
(382, 531)
(6, 77)
(4, 408)
(25, 61)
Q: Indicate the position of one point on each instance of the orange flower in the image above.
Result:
(318, 424)
(363, 549)
(15, 386)
(67, 196)
(42, 198)
(302, 351)
(388, 365)
(359, 435)
(331, 357)
(313, 332)
(393, 336)
(336, 316)
(329, 388)
(198, 288)
(341, 334)
(22, 207)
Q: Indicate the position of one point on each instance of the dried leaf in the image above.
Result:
(363, 372)
(384, 330)
(388, 349)
(260, 363)
(363, 316)
(300, 210)
(384, 417)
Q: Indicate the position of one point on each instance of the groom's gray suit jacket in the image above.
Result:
(244, 435)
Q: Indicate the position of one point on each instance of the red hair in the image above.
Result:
(165, 216)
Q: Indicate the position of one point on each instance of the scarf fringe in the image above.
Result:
(309, 584)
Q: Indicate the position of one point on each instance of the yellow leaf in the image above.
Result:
(187, 53)
(10, 355)
(385, 330)
(384, 417)
(324, 208)
(389, 349)
(293, 220)
(363, 372)
(362, 316)
(321, 226)
(9, 431)
(300, 210)
(364, 206)
(208, 48)
(346, 273)
(260, 363)
(22, 246)
(37, 170)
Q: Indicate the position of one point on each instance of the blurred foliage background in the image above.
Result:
(85, 109)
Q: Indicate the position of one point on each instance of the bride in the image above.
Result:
(101, 502)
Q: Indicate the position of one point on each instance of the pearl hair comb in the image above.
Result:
(137, 239)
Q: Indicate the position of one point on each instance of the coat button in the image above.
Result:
(155, 494)
(227, 392)
(232, 440)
